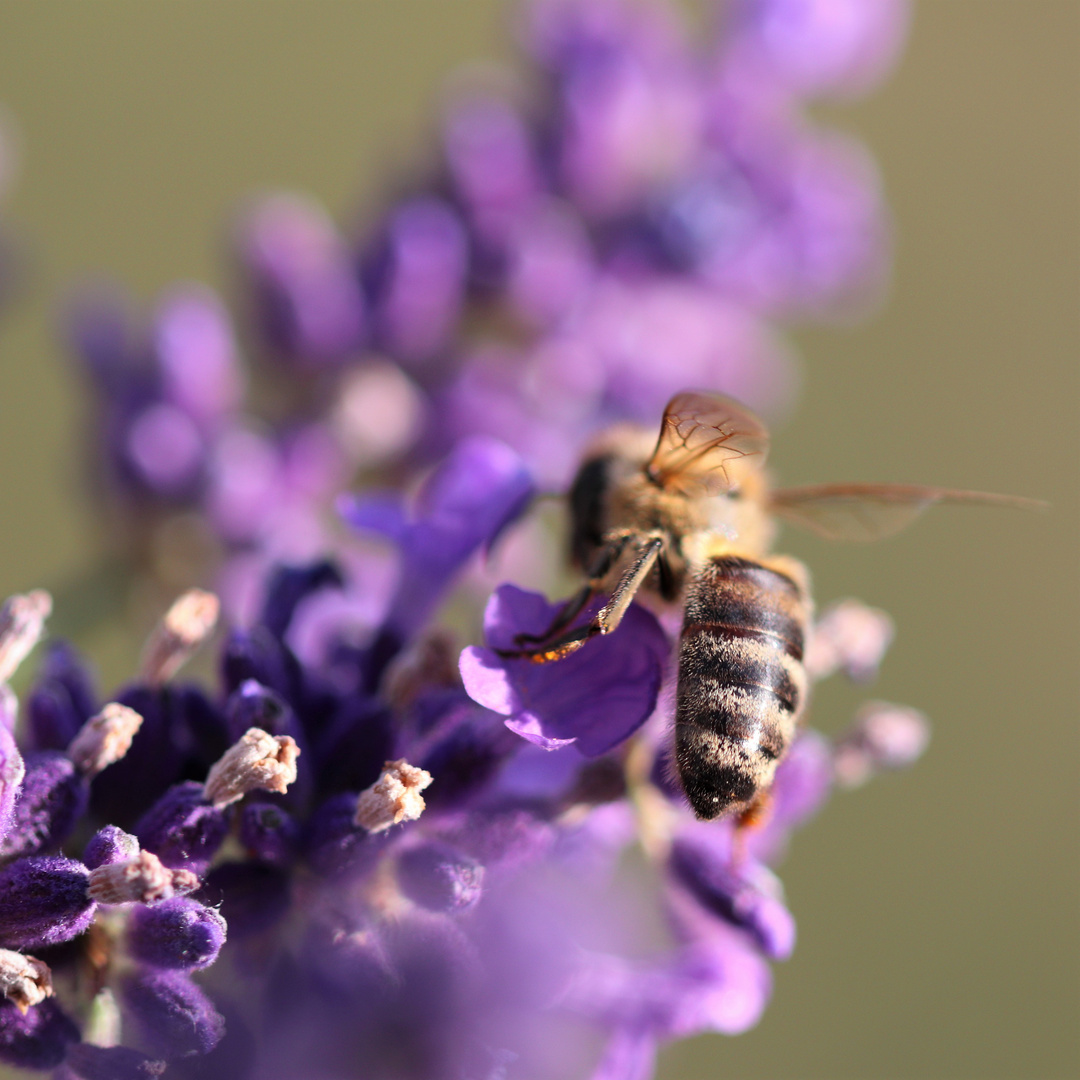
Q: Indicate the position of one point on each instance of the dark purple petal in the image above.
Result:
(109, 845)
(595, 697)
(743, 893)
(178, 933)
(335, 845)
(479, 489)
(89, 1062)
(183, 829)
(52, 799)
(253, 705)
(438, 878)
(174, 1016)
(43, 901)
(37, 1040)
(289, 585)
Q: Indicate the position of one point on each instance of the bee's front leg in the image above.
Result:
(558, 642)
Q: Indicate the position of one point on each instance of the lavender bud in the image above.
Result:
(174, 1016)
(186, 625)
(43, 901)
(53, 798)
(393, 798)
(255, 706)
(62, 700)
(883, 737)
(110, 845)
(22, 622)
(36, 1039)
(24, 981)
(142, 880)
(182, 828)
(178, 933)
(268, 832)
(850, 637)
(104, 738)
(258, 761)
(89, 1062)
(12, 773)
(334, 844)
(439, 878)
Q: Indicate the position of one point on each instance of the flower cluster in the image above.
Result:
(632, 228)
(360, 854)
(408, 888)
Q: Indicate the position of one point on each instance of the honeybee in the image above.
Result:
(690, 516)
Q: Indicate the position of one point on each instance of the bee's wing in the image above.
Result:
(703, 438)
(873, 511)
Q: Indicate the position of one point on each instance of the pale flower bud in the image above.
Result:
(143, 880)
(24, 981)
(258, 761)
(186, 625)
(104, 738)
(22, 622)
(883, 737)
(849, 637)
(393, 798)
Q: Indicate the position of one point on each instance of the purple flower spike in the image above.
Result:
(480, 488)
(175, 1017)
(89, 1062)
(53, 797)
(177, 933)
(37, 1039)
(12, 771)
(43, 901)
(594, 698)
(109, 845)
(183, 829)
(439, 878)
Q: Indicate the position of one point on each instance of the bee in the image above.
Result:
(689, 516)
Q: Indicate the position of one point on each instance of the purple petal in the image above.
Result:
(595, 697)
(37, 1040)
(12, 771)
(629, 1055)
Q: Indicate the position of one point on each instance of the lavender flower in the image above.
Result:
(413, 858)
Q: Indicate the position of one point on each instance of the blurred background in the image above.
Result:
(938, 909)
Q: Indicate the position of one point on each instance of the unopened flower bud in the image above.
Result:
(22, 622)
(175, 1017)
(51, 800)
(177, 933)
(182, 828)
(393, 798)
(24, 981)
(109, 845)
(104, 738)
(36, 1039)
(142, 880)
(883, 737)
(259, 761)
(43, 901)
(186, 625)
(849, 637)
(12, 772)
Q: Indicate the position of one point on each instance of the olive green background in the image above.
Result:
(937, 910)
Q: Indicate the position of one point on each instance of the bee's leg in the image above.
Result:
(747, 820)
(607, 618)
(601, 566)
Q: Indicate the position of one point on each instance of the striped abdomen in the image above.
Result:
(741, 680)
